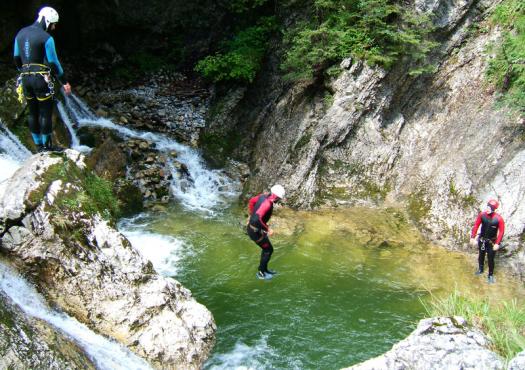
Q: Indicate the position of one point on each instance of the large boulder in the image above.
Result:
(72, 252)
(439, 343)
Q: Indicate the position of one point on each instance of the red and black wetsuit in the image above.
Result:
(260, 209)
(492, 230)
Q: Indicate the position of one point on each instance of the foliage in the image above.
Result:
(378, 31)
(504, 324)
(507, 69)
(241, 57)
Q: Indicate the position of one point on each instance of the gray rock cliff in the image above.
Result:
(437, 144)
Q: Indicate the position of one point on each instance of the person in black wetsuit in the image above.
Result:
(260, 209)
(36, 59)
(489, 238)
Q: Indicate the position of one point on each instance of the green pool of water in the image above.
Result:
(349, 285)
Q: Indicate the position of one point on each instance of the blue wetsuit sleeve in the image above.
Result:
(52, 59)
(16, 55)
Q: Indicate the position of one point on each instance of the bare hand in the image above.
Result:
(270, 232)
(473, 242)
(67, 89)
(495, 247)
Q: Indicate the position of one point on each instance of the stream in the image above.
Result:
(350, 282)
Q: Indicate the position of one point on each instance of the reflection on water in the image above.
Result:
(349, 285)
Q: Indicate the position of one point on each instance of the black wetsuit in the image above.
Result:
(35, 57)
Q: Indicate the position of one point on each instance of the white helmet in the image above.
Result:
(278, 190)
(49, 14)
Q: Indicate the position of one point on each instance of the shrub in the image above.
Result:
(504, 323)
(507, 69)
(377, 31)
(241, 57)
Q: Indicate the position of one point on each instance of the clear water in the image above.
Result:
(349, 285)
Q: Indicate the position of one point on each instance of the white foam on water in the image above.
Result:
(10, 145)
(163, 251)
(244, 357)
(105, 354)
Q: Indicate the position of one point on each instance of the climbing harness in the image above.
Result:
(36, 69)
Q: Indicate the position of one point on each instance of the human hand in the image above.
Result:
(473, 242)
(270, 232)
(67, 89)
(495, 247)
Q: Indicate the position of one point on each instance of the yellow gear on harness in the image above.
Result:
(20, 92)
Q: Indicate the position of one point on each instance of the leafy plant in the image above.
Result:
(241, 57)
(507, 69)
(378, 31)
(504, 323)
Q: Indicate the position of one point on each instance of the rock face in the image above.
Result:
(89, 270)
(517, 362)
(438, 343)
(26, 343)
(437, 143)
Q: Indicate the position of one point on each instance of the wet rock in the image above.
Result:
(518, 362)
(89, 270)
(439, 343)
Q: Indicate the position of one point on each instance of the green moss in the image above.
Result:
(218, 146)
(463, 200)
(418, 206)
(89, 194)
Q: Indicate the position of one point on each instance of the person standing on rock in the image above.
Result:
(260, 209)
(489, 238)
(36, 59)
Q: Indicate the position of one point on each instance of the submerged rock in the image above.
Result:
(439, 343)
(83, 265)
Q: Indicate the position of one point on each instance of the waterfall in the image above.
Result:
(104, 353)
(12, 154)
(11, 146)
(205, 190)
(75, 142)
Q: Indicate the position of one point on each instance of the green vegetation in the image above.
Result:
(507, 69)
(240, 58)
(378, 31)
(504, 323)
(463, 200)
(418, 206)
(88, 193)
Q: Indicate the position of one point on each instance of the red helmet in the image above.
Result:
(493, 203)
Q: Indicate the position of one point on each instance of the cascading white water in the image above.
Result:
(104, 353)
(12, 154)
(75, 142)
(10, 145)
(205, 190)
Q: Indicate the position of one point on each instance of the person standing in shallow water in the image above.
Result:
(260, 210)
(36, 59)
(489, 238)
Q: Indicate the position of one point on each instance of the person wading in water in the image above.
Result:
(36, 59)
(260, 210)
(489, 238)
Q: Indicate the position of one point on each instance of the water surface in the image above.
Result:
(350, 282)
